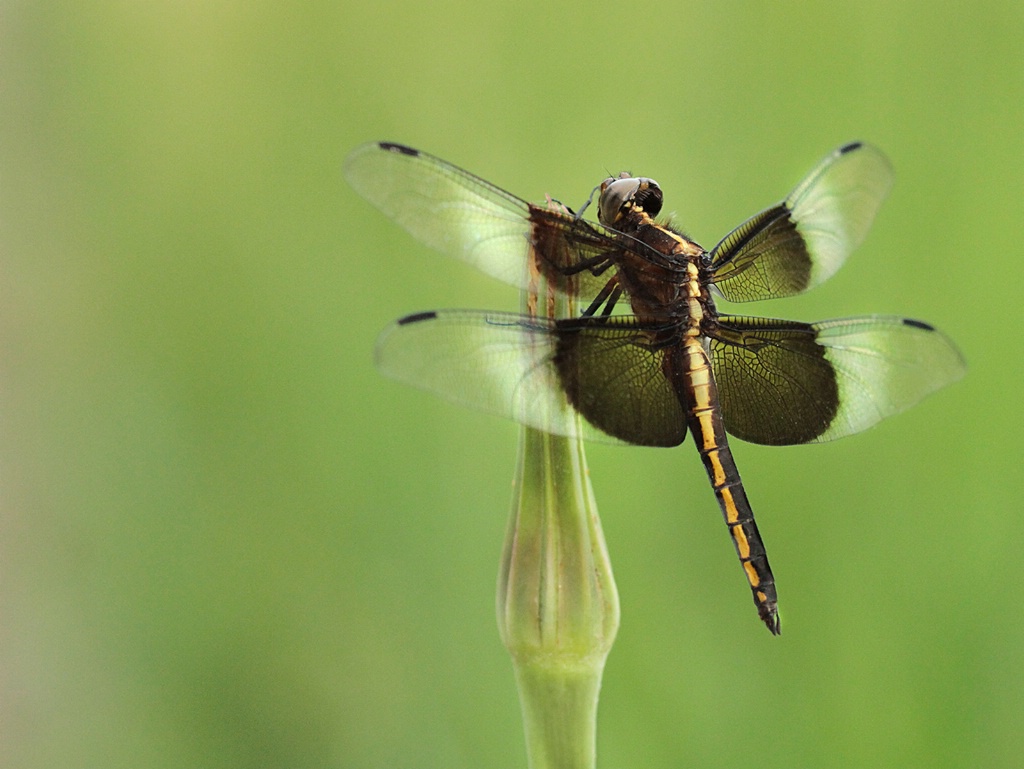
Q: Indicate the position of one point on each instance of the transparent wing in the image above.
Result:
(784, 382)
(464, 216)
(600, 380)
(801, 242)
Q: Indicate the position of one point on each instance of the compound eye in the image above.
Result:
(616, 195)
(648, 197)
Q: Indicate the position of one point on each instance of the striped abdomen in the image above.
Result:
(704, 419)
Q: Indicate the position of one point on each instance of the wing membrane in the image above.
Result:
(783, 382)
(464, 216)
(613, 373)
(540, 373)
(801, 242)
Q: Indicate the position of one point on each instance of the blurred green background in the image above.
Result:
(227, 542)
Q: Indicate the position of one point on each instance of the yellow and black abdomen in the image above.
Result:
(704, 418)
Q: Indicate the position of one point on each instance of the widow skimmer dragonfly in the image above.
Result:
(671, 362)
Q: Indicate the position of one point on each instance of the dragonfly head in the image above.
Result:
(622, 198)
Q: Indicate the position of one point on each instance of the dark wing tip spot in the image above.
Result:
(393, 147)
(416, 317)
(918, 324)
(850, 147)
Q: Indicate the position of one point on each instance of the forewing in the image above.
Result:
(543, 374)
(464, 216)
(802, 241)
(784, 382)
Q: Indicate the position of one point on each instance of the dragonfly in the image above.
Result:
(648, 357)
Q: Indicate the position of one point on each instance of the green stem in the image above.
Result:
(559, 716)
(558, 608)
